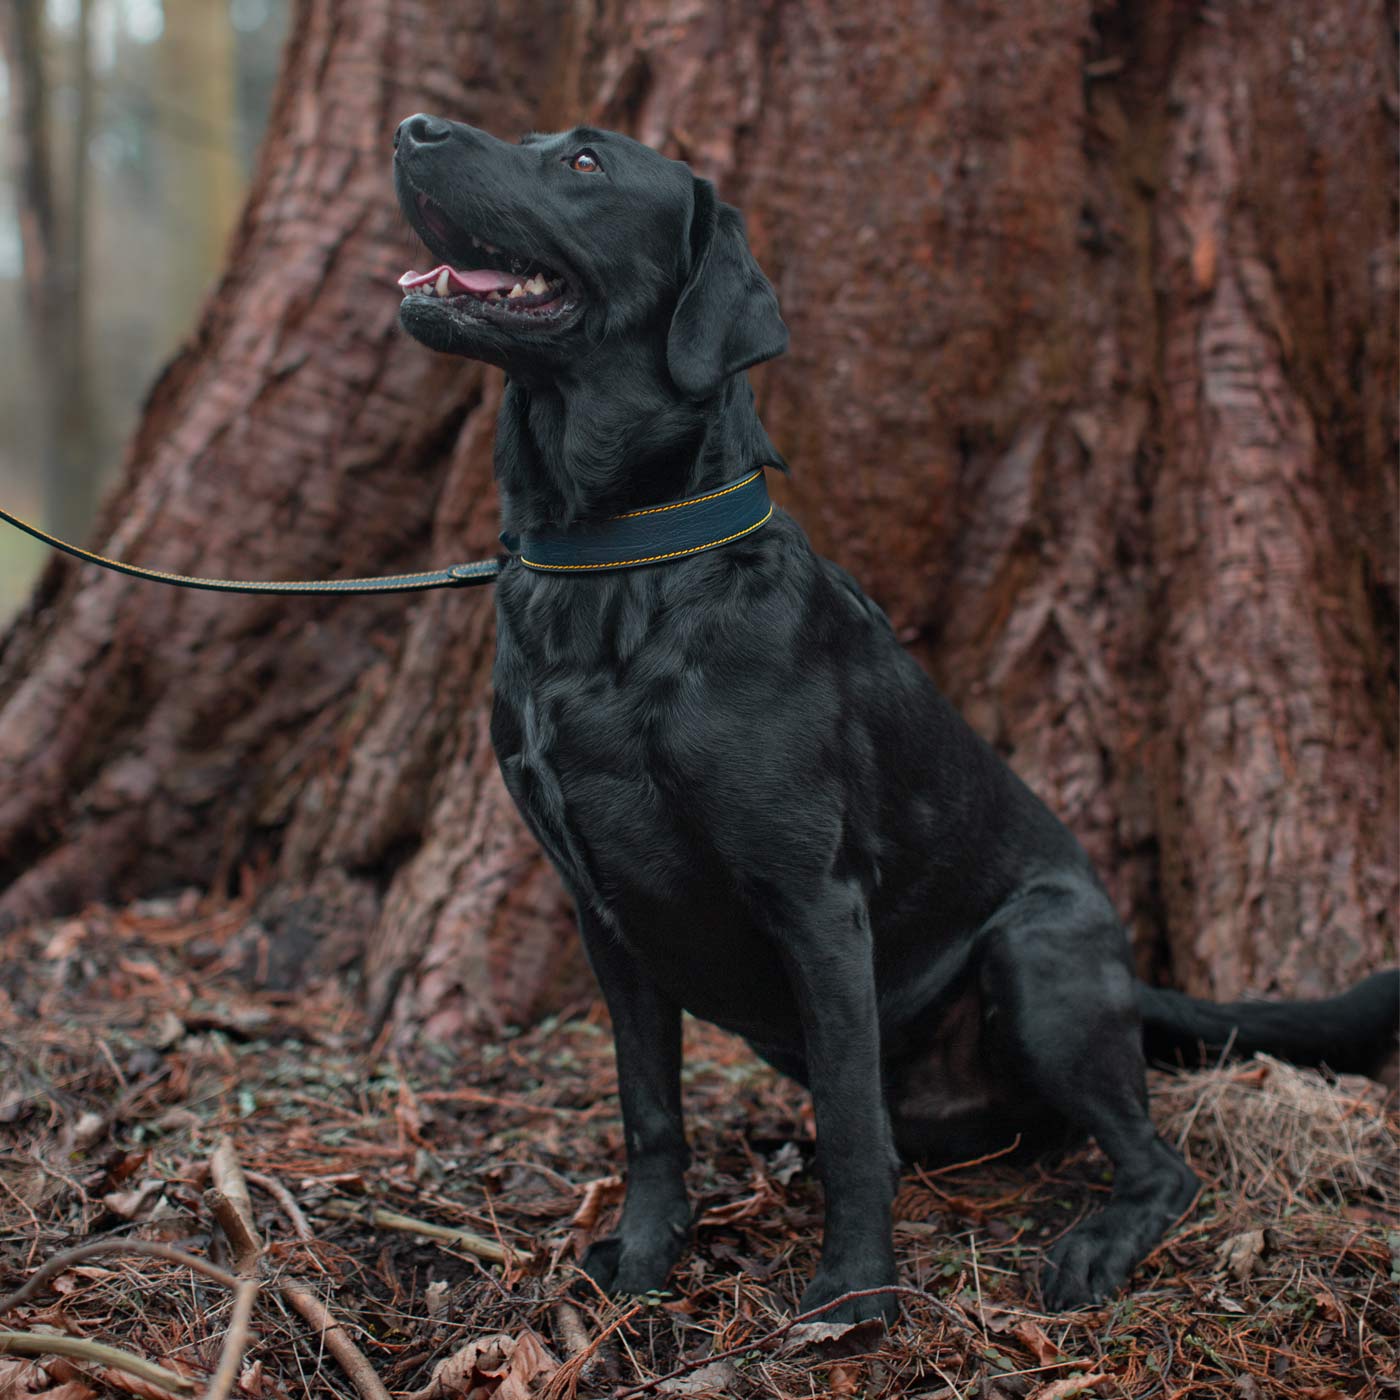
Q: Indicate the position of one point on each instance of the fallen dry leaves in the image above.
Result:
(123, 1061)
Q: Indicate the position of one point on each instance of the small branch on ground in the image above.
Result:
(60, 1263)
(351, 1359)
(237, 1231)
(81, 1349)
(563, 1384)
(448, 1234)
(228, 1198)
(235, 1341)
(232, 1206)
(301, 1227)
(572, 1334)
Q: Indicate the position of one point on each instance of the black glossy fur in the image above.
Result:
(765, 812)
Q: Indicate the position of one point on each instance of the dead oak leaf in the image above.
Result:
(843, 1380)
(501, 1367)
(598, 1194)
(1069, 1386)
(715, 1378)
(742, 1209)
(42, 1380)
(835, 1338)
(131, 1204)
(1037, 1343)
(1242, 1255)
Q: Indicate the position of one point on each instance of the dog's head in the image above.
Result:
(550, 247)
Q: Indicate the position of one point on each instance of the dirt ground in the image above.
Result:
(135, 1043)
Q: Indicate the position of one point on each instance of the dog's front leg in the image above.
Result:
(647, 1037)
(831, 965)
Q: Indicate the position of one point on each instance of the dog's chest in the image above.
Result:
(604, 729)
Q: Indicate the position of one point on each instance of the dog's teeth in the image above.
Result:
(493, 296)
(443, 282)
(516, 291)
(536, 284)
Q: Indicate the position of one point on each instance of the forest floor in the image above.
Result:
(134, 1043)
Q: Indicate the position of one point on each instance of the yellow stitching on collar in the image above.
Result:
(655, 558)
(680, 505)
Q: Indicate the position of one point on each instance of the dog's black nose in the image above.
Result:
(422, 130)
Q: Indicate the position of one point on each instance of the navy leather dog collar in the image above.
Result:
(653, 535)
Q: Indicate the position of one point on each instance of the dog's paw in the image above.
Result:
(620, 1265)
(827, 1285)
(1086, 1267)
(1098, 1256)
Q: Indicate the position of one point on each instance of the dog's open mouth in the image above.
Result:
(483, 278)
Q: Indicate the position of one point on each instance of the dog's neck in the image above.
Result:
(597, 442)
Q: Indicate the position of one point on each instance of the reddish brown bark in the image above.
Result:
(1092, 384)
(1266, 510)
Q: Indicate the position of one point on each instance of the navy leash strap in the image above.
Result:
(457, 576)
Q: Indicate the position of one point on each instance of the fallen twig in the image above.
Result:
(448, 1234)
(573, 1337)
(235, 1341)
(60, 1263)
(81, 1348)
(301, 1227)
(563, 1384)
(569, 1328)
(245, 1295)
(65, 1372)
(338, 1342)
(228, 1198)
(237, 1231)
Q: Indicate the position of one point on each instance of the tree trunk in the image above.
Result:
(198, 166)
(1092, 384)
(53, 240)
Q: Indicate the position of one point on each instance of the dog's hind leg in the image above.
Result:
(647, 1037)
(1056, 969)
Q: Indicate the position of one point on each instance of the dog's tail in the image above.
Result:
(1352, 1034)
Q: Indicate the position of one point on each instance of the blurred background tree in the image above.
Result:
(129, 132)
(1093, 384)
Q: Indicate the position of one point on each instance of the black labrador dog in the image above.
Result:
(763, 809)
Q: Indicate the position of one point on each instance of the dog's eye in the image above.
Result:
(585, 162)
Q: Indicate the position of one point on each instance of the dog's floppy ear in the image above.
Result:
(727, 316)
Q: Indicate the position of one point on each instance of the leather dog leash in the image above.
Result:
(653, 535)
(458, 575)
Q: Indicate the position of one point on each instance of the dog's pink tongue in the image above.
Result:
(478, 280)
(483, 279)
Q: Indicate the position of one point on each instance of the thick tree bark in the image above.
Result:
(1281, 731)
(1092, 384)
